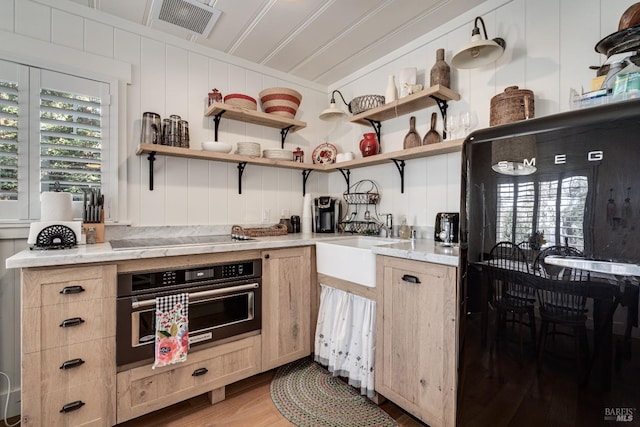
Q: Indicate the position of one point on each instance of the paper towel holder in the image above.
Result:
(55, 237)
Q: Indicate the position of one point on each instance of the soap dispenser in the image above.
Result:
(404, 232)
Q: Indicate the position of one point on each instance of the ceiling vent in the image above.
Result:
(189, 15)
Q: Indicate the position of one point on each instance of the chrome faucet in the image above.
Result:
(387, 227)
(386, 231)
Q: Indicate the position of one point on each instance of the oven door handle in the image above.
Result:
(195, 295)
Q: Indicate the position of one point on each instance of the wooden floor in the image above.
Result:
(499, 389)
(247, 403)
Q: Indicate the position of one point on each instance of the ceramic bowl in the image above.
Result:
(217, 146)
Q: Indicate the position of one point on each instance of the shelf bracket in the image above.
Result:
(400, 166)
(442, 105)
(305, 176)
(283, 135)
(346, 173)
(152, 158)
(241, 166)
(377, 126)
(216, 123)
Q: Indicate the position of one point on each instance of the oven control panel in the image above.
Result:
(135, 283)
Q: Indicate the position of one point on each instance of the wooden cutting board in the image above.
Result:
(412, 139)
(432, 136)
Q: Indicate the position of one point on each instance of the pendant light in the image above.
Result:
(479, 52)
(333, 113)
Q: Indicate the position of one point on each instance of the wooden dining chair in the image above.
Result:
(510, 293)
(562, 302)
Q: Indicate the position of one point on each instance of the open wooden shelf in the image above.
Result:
(408, 154)
(435, 95)
(190, 153)
(444, 147)
(397, 157)
(417, 101)
(254, 117)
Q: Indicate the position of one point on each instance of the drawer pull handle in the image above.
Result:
(74, 321)
(411, 279)
(72, 290)
(200, 371)
(73, 363)
(73, 406)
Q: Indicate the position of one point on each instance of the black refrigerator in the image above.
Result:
(571, 182)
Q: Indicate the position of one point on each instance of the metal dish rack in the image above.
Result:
(359, 219)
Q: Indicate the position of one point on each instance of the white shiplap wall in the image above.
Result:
(549, 48)
(550, 45)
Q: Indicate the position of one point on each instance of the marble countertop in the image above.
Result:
(419, 250)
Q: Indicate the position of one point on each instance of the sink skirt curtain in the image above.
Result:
(345, 337)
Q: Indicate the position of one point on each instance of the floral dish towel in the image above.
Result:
(172, 330)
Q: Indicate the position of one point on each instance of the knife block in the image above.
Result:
(98, 226)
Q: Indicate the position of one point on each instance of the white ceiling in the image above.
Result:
(318, 40)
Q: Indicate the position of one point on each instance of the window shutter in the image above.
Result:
(557, 210)
(70, 141)
(9, 111)
(54, 128)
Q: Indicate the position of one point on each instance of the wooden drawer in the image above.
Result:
(42, 328)
(44, 409)
(143, 390)
(84, 362)
(43, 287)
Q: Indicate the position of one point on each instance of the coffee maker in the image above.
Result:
(446, 229)
(326, 214)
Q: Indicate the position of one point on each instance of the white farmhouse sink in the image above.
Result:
(350, 259)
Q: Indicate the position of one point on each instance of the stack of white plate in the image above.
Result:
(277, 153)
(249, 149)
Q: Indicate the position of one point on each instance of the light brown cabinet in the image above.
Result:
(142, 390)
(416, 357)
(286, 305)
(68, 343)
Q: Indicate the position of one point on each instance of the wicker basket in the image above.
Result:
(274, 230)
(360, 227)
(361, 198)
(364, 103)
(280, 101)
(241, 101)
(511, 106)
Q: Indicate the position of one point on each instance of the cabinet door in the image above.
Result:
(68, 346)
(416, 357)
(286, 305)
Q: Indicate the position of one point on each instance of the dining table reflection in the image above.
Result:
(605, 291)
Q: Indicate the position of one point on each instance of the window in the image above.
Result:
(54, 133)
(555, 206)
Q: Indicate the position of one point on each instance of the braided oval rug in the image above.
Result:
(308, 395)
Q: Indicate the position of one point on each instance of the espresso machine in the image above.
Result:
(326, 214)
(446, 229)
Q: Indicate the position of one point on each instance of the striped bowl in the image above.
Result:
(280, 101)
(241, 101)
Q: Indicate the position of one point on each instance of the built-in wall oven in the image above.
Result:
(224, 302)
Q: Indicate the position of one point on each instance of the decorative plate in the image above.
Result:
(325, 153)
